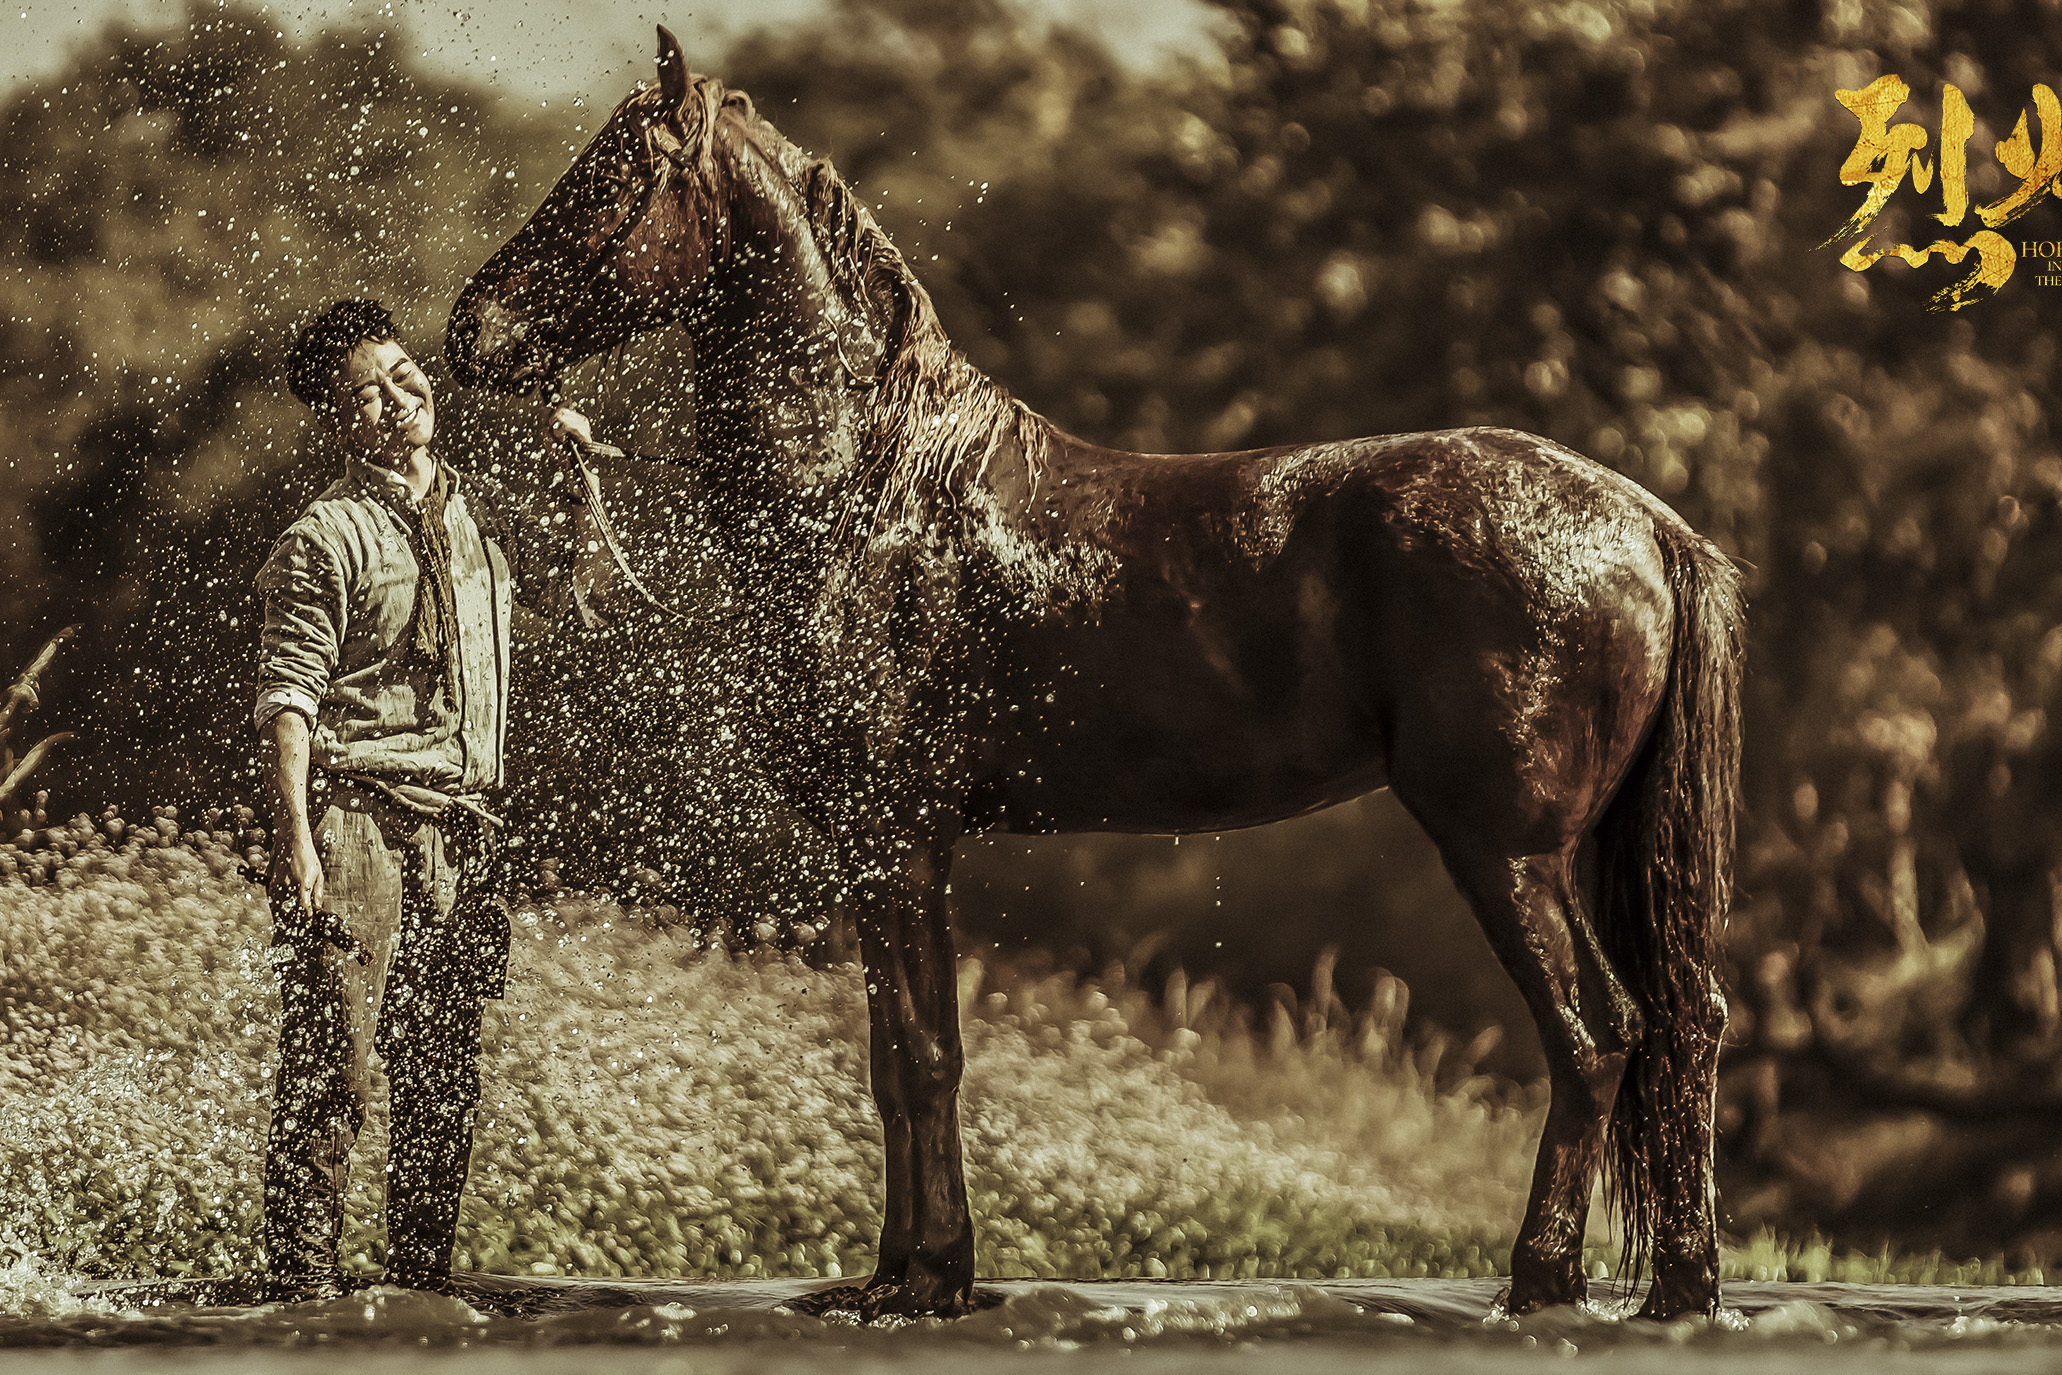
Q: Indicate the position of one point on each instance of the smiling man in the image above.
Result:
(383, 699)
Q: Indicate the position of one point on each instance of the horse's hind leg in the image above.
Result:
(1533, 910)
(1686, 1222)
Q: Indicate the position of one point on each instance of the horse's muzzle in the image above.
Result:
(487, 344)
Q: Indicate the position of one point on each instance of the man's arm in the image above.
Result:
(306, 613)
(301, 632)
(300, 879)
(552, 541)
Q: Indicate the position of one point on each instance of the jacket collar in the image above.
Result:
(389, 487)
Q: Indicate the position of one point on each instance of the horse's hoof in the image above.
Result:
(871, 1302)
(1537, 1284)
(1666, 1302)
(1510, 1305)
(915, 1298)
(837, 1298)
(1667, 1308)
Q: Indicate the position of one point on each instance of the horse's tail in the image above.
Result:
(1665, 857)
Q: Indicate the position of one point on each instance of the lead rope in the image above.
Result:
(587, 493)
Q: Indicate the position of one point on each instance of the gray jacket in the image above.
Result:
(339, 594)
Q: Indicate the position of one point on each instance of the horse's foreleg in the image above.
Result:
(912, 981)
(1532, 911)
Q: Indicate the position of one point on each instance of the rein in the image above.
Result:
(854, 381)
(590, 497)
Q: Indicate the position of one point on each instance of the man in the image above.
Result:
(383, 700)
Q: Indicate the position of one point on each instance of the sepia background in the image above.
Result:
(1264, 221)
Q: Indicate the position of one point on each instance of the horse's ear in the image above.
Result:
(672, 71)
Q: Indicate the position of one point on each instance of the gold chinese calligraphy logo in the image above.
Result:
(1887, 154)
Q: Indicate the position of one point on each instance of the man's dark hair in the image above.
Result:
(323, 344)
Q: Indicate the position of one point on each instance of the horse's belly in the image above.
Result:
(1146, 727)
(1162, 797)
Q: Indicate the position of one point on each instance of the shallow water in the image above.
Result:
(684, 1328)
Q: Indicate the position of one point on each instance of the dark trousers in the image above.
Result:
(415, 892)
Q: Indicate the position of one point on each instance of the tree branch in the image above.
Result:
(22, 696)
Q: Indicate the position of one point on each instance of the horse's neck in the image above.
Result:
(818, 423)
(777, 423)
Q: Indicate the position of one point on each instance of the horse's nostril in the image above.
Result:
(493, 333)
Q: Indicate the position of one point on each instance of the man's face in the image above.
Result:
(384, 411)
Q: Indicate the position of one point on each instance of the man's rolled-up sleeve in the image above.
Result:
(305, 615)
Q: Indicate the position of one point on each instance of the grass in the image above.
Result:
(1767, 1256)
(657, 1105)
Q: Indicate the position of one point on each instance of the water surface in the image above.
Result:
(540, 1327)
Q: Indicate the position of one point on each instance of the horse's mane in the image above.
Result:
(934, 421)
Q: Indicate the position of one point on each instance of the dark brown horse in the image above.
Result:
(971, 621)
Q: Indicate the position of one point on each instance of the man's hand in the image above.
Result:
(566, 423)
(298, 886)
(300, 879)
(297, 883)
(567, 434)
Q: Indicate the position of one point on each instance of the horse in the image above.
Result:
(973, 621)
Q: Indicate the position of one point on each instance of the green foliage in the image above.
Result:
(1766, 1256)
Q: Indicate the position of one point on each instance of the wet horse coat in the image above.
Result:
(968, 621)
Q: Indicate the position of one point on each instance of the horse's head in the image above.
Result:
(622, 244)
